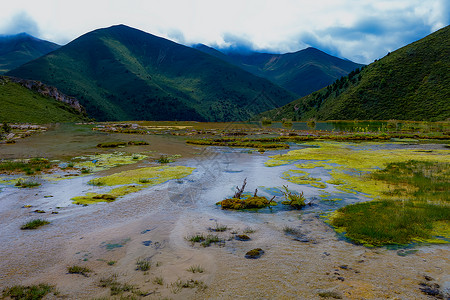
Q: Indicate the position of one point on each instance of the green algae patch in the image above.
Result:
(130, 181)
(105, 161)
(415, 208)
(350, 164)
(303, 179)
(384, 222)
(249, 202)
(154, 175)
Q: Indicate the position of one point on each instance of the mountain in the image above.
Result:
(301, 72)
(23, 101)
(15, 50)
(121, 73)
(411, 83)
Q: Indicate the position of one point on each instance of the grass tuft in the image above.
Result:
(33, 292)
(143, 264)
(196, 269)
(79, 270)
(34, 224)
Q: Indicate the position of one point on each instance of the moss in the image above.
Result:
(242, 237)
(254, 253)
(246, 203)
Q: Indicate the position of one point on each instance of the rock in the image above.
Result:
(10, 136)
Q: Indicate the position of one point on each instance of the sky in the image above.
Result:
(359, 30)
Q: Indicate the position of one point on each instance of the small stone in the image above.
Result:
(344, 267)
(341, 278)
(428, 278)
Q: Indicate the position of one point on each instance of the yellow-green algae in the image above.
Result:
(349, 164)
(127, 182)
(101, 162)
(352, 167)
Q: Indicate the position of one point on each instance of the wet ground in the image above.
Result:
(153, 224)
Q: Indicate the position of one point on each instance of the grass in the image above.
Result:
(384, 222)
(416, 208)
(248, 230)
(137, 143)
(79, 270)
(163, 159)
(143, 264)
(420, 179)
(27, 183)
(96, 182)
(111, 144)
(218, 228)
(205, 241)
(111, 263)
(196, 269)
(294, 200)
(33, 292)
(28, 167)
(21, 105)
(178, 285)
(34, 224)
(158, 280)
(115, 286)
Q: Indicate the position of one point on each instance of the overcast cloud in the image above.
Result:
(358, 30)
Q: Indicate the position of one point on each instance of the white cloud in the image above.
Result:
(358, 30)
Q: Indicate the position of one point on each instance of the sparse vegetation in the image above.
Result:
(34, 292)
(115, 286)
(96, 182)
(158, 280)
(196, 269)
(294, 200)
(143, 264)
(34, 224)
(79, 270)
(205, 241)
(218, 228)
(29, 166)
(111, 144)
(178, 285)
(163, 159)
(28, 183)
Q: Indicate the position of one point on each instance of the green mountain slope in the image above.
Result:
(301, 72)
(412, 83)
(121, 73)
(19, 104)
(15, 50)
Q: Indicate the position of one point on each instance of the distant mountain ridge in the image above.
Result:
(121, 73)
(411, 83)
(301, 72)
(15, 50)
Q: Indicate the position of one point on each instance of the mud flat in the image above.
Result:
(304, 258)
